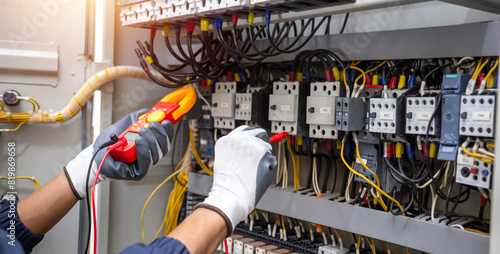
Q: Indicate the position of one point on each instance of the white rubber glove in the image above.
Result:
(242, 173)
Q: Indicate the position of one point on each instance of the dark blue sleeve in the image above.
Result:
(158, 246)
(17, 233)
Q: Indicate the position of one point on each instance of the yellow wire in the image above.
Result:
(34, 106)
(388, 247)
(36, 102)
(363, 75)
(18, 126)
(277, 219)
(368, 241)
(355, 63)
(478, 155)
(407, 250)
(378, 66)
(492, 70)
(374, 248)
(283, 223)
(174, 191)
(480, 68)
(476, 231)
(296, 179)
(367, 180)
(359, 242)
(477, 67)
(37, 185)
(337, 233)
(196, 156)
(151, 196)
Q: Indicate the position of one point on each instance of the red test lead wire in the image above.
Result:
(278, 137)
(121, 142)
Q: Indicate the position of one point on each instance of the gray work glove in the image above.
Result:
(242, 173)
(151, 145)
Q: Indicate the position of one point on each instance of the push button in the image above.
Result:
(156, 116)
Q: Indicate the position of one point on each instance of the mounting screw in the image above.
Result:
(214, 105)
(273, 107)
(311, 110)
(10, 97)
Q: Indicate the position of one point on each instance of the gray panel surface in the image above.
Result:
(478, 39)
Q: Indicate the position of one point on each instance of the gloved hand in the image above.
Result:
(242, 173)
(151, 145)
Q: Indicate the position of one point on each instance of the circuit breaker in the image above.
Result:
(471, 171)
(453, 86)
(287, 107)
(477, 115)
(223, 105)
(419, 111)
(320, 113)
(350, 114)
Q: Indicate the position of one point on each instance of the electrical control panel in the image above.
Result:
(471, 171)
(287, 107)
(419, 111)
(350, 114)
(477, 115)
(321, 109)
(223, 105)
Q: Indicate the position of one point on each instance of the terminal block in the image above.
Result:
(386, 116)
(418, 114)
(471, 171)
(287, 108)
(332, 250)
(321, 110)
(477, 115)
(223, 105)
(351, 114)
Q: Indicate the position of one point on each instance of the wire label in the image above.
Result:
(285, 107)
(325, 110)
(481, 116)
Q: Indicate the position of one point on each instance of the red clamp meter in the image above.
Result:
(172, 107)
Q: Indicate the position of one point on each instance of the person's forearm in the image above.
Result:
(201, 232)
(45, 207)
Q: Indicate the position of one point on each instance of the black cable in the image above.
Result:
(327, 28)
(113, 140)
(345, 23)
(315, 29)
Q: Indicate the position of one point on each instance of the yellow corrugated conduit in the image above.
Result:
(82, 96)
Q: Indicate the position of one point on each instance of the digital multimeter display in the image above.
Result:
(131, 136)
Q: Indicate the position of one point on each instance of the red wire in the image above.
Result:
(225, 245)
(93, 199)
